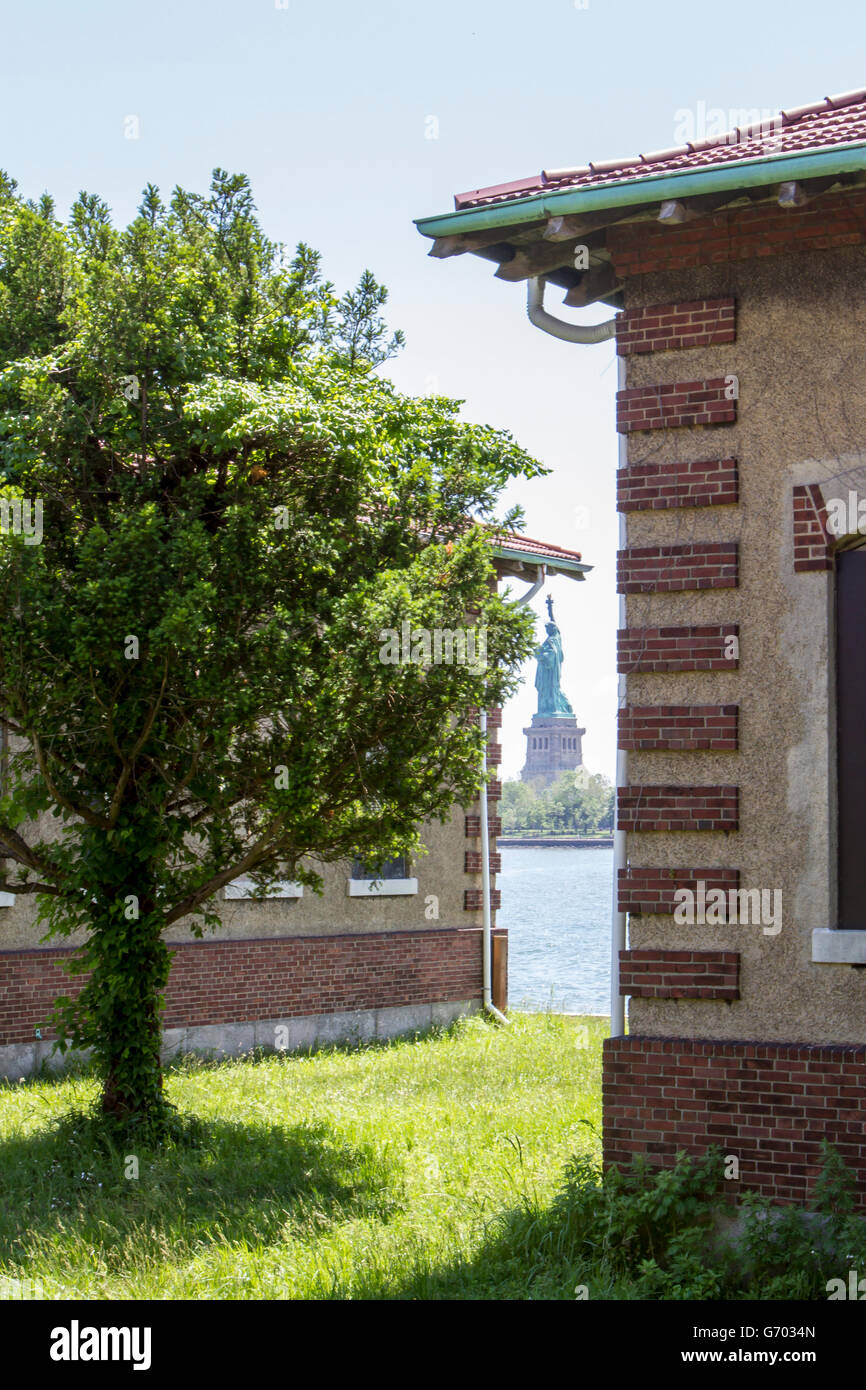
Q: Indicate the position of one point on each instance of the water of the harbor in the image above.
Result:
(556, 904)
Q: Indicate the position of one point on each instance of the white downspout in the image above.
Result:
(618, 919)
(486, 913)
(570, 332)
(530, 593)
(486, 937)
(597, 333)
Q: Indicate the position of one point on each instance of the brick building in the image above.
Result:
(738, 267)
(369, 958)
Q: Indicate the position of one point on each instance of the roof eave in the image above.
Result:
(572, 569)
(653, 188)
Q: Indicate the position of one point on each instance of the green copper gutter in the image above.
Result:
(720, 178)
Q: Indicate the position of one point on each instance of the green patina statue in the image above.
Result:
(551, 700)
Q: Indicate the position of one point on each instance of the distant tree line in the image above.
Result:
(578, 803)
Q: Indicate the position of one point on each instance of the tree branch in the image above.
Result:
(129, 759)
(83, 812)
(8, 887)
(18, 849)
(259, 851)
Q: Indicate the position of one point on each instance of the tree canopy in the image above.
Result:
(577, 803)
(233, 505)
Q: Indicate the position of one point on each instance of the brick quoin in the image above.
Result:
(675, 648)
(771, 1104)
(813, 540)
(472, 826)
(657, 974)
(650, 889)
(666, 569)
(472, 862)
(678, 728)
(677, 808)
(494, 716)
(661, 327)
(473, 899)
(282, 977)
(674, 406)
(832, 221)
(649, 487)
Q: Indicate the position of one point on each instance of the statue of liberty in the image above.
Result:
(551, 700)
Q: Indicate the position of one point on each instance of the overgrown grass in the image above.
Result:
(387, 1171)
(461, 1165)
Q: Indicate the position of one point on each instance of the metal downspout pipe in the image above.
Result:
(558, 328)
(597, 333)
(487, 930)
(486, 913)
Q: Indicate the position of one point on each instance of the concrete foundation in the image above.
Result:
(221, 1040)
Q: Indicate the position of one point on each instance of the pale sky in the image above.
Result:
(326, 106)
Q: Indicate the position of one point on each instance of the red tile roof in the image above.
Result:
(540, 550)
(839, 120)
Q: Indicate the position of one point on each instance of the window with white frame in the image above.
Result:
(391, 878)
(844, 943)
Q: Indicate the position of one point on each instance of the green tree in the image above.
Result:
(582, 802)
(578, 803)
(234, 507)
(517, 807)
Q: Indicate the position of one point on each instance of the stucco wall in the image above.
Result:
(439, 872)
(799, 357)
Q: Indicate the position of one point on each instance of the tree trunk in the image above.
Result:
(119, 1009)
(131, 980)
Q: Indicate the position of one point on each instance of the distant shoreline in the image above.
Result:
(569, 841)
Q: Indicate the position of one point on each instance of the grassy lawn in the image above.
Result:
(414, 1169)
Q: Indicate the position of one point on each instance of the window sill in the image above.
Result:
(381, 887)
(244, 888)
(838, 946)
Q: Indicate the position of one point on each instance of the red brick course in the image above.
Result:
(675, 648)
(472, 862)
(675, 405)
(240, 981)
(770, 1104)
(472, 899)
(657, 974)
(677, 808)
(494, 716)
(661, 327)
(645, 487)
(666, 569)
(832, 221)
(678, 728)
(472, 826)
(813, 540)
(645, 888)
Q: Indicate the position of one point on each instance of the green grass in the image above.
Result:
(425, 1168)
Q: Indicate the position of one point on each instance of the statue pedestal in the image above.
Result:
(553, 746)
